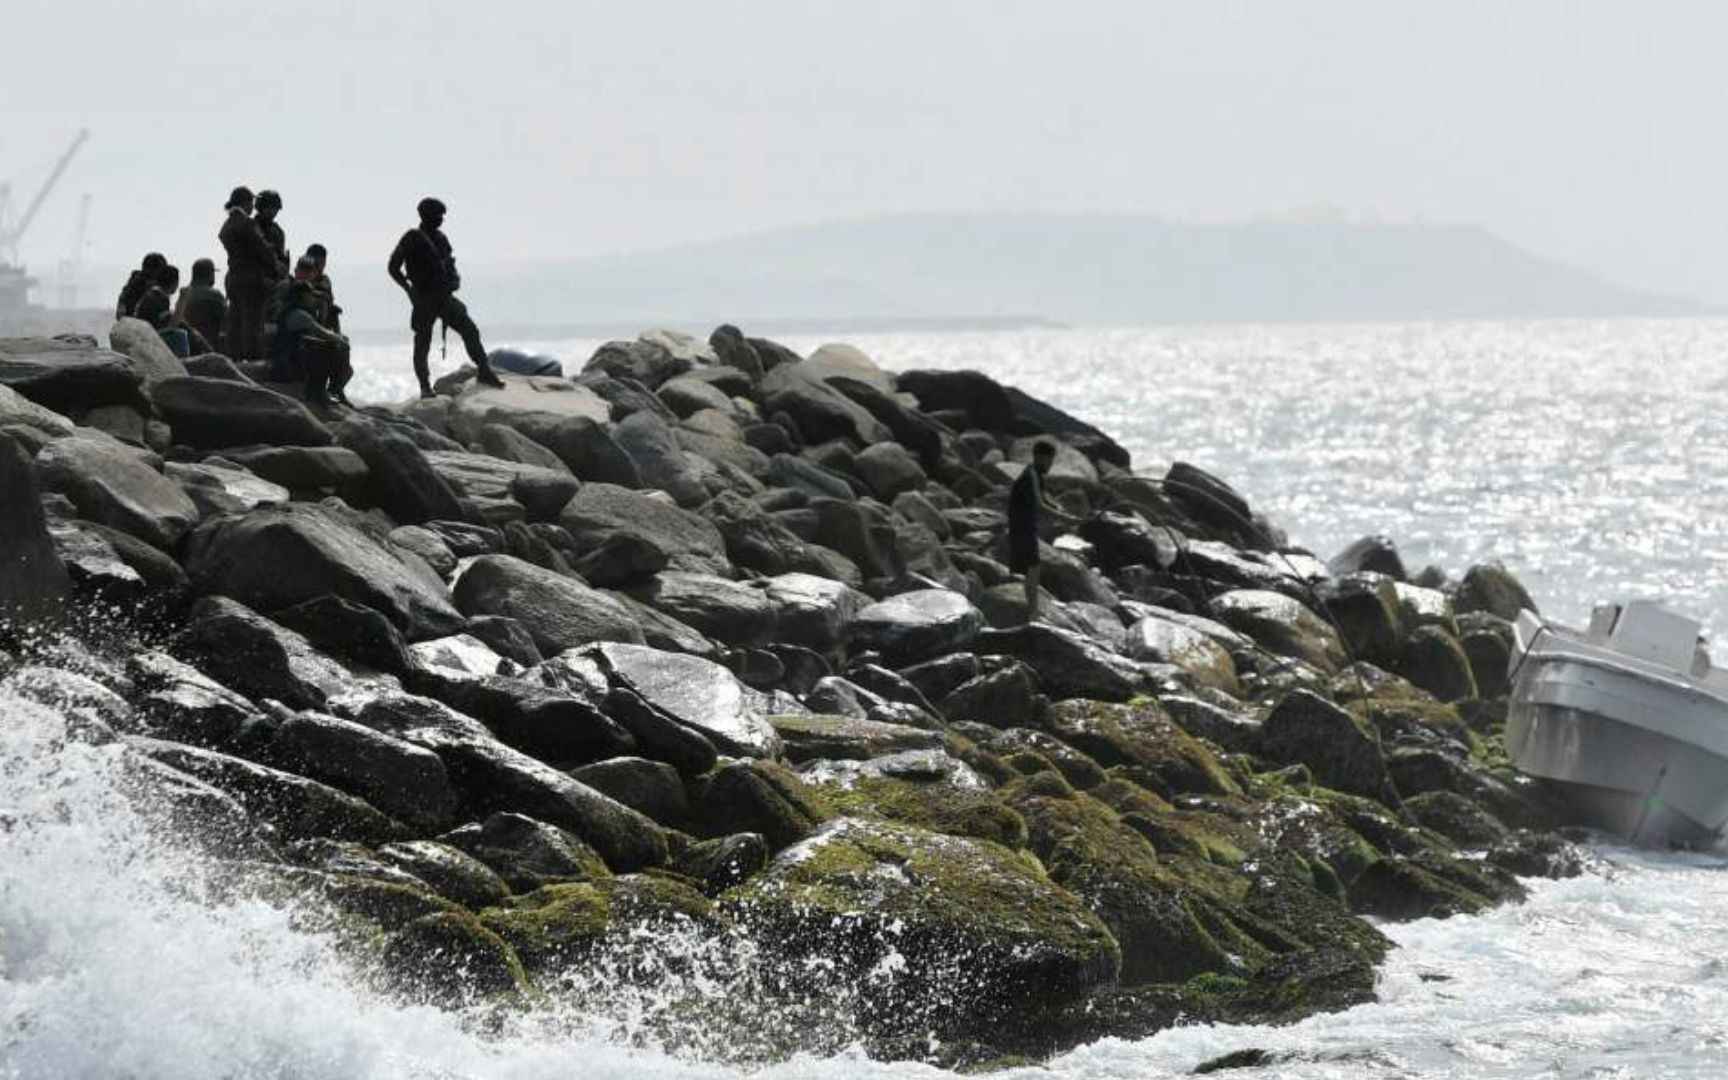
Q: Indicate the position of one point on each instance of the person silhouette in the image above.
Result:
(424, 266)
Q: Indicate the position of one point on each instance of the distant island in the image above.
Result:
(924, 270)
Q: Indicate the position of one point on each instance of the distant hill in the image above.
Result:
(934, 268)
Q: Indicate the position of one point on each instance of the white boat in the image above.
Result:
(1626, 723)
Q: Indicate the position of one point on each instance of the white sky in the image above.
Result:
(1586, 130)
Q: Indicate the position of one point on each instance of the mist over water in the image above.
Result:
(1587, 455)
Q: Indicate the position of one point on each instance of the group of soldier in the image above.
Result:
(287, 316)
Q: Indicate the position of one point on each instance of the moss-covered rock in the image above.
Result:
(760, 797)
(1434, 661)
(1141, 738)
(1342, 751)
(557, 926)
(1492, 588)
(717, 865)
(1456, 818)
(1363, 608)
(977, 935)
(450, 960)
(527, 853)
(939, 807)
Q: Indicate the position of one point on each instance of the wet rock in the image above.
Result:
(279, 557)
(507, 637)
(298, 808)
(757, 541)
(697, 693)
(937, 678)
(739, 615)
(1364, 609)
(758, 797)
(659, 734)
(541, 491)
(1434, 661)
(1071, 666)
(603, 513)
(448, 871)
(917, 625)
(1490, 660)
(215, 413)
(1141, 738)
(867, 890)
(241, 649)
(405, 781)
(526, 853)
(428, 546)
(350, 632)
(1376, 554)
(719, 864)
(220, 490)
(175, 701)
(450, 960)
(1492, 588)
(34, 585)
(1456, 818)
(558, 612)
(402, 479)
(1005, 698)
(1160, 640)
(653, 788)
(1343, 752)
(562, 927)
(811, 611)
(546, 724)
(112, 486)
(305, 468)
(1281, 625)
(68, 376)
(491, 777)
(1207, 499)
(811, 736)
(1539, 854)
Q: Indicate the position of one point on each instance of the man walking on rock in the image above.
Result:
(425, 268)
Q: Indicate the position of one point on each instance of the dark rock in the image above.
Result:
(660, 461)
(719, 864)
(1208, 500)
(1005, 698)
(820, 411)
(110, 485)
(558, 612)
(812, 611)
(648, 787)
(739, 615)
(546, 724)
(938, 678)
(405, 781)
(1040, 416)
(911, 428)
(803, 475)
(1141, 738)
(215, 366)
(140, 341)
(601, 512)
(757, 541)
(306, 468)
(812, 737)
(527, 853)
(177, 702)
(1434, 661)
(584, 445)
(735, 350)
(299, 809)
(646, 362)
(508, 444)
(1539, 854)
(506, 636)
(1071, 666)
(282, 556)
(1281, 625)
(218, 489)
(1364, 610)
(351, 632)
(659, 734)
(687, 396)
(541, 491)
(758, 797)
(448, 871)
(917, 625)
(1160, 639)
(1492, 588)
(697, 693)
(1375, 554)
(402, 480)
(215, 413)
(242, 649)
(889, 685)
(427, 546)
(1342, 751)
(1490, 662)
(983, 400)
(889, 469)
(451, 961)
(68, 376)
(34, 587)
(1456, 818)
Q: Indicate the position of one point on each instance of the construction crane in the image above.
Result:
(10, 232)
(66, 292)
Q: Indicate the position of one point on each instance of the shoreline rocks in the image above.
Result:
(721, 639)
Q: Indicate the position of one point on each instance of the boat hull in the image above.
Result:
(1640, 757)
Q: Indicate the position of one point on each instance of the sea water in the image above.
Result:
(1587, 456)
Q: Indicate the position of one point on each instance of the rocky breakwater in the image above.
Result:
(714, 643)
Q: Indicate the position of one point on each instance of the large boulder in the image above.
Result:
(305, 468)
(1435, 661)
(542, 491)
(1144, 741)
(403, 481)
(1160, 640)
(739, 615)
(1342, 751)
(818, 737)
(67, 375)
(1281, 625)
(896, 904)
(221, 488)
(697, 693)
(215, 413)
(981, 398)
(16, 410)
(820, 411)
(1072, 666)
(151, 355)
(758, 541)
(647, 362)
(34, 585)
(547, 399)
(108, 483)
(405, 781)
(604, 513)
(889, 469)
(280, 556)
(917, 625)
(1492, 588)
(1365, 609)
(559, 612)
(812, 611)
(660, 461)
(241, 649)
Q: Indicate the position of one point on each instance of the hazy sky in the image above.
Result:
(1587, 130)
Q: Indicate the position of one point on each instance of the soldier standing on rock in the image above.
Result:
(269, 205)
(252, 269)
(1026, 502)
(425, 268)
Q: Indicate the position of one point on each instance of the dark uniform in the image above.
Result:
(278, 241)
(329, 311)
(154, 307)
(424, 254)
(137, 284)
(1024, 500)
(203, 310)
(252, 269)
